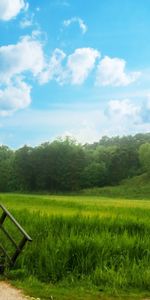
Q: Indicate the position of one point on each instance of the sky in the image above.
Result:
(73, 68)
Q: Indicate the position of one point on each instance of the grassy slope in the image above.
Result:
(134, 188)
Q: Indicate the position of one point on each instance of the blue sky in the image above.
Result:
(70, 67)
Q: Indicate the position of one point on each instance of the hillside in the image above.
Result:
(137, 187)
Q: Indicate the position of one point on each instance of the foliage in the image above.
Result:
(144, 153)
(64, 165)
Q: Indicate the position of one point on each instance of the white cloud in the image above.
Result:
(123, 108)
(111, 71)
(85, 134)
(11, 8)
(14, 97)
(80, 64)
(49, 124)
(81, 23)
(85, 124)
(123, 117)
(53, 69)
(26, 55)
(120, 117)
(27, 60)
(16, 62)
(27, 21)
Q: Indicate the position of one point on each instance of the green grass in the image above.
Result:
(134, 188)
(84, 247)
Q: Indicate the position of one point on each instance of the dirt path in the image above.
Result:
(7, 292)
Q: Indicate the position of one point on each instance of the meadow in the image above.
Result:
(84, 246)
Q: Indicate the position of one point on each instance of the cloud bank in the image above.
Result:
(26, 61)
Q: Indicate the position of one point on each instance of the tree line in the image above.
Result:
(64, 165)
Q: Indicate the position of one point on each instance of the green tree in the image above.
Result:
(23, 169)
(144, 155)
(94, 175)
(6, 159)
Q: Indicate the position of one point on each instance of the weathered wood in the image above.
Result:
(3, 217)
(18, 250)
(9, 215)
(9, 236)
(18, 247)
(5, 252)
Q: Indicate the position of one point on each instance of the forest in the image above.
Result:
(65, 165)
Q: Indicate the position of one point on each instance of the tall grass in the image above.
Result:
(80, 238)
(111, 253)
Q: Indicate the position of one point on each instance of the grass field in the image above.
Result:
(84, 247)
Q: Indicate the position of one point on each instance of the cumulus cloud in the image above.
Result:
(26, 59)
(76, 70)
(26, 55)
(80, 64)
(14, 97)
(77, 20)
(16, 62)
(122, 117)
(111, 71)
(11, 8)
(53, 69)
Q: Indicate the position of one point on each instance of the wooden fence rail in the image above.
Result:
(18, 246)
